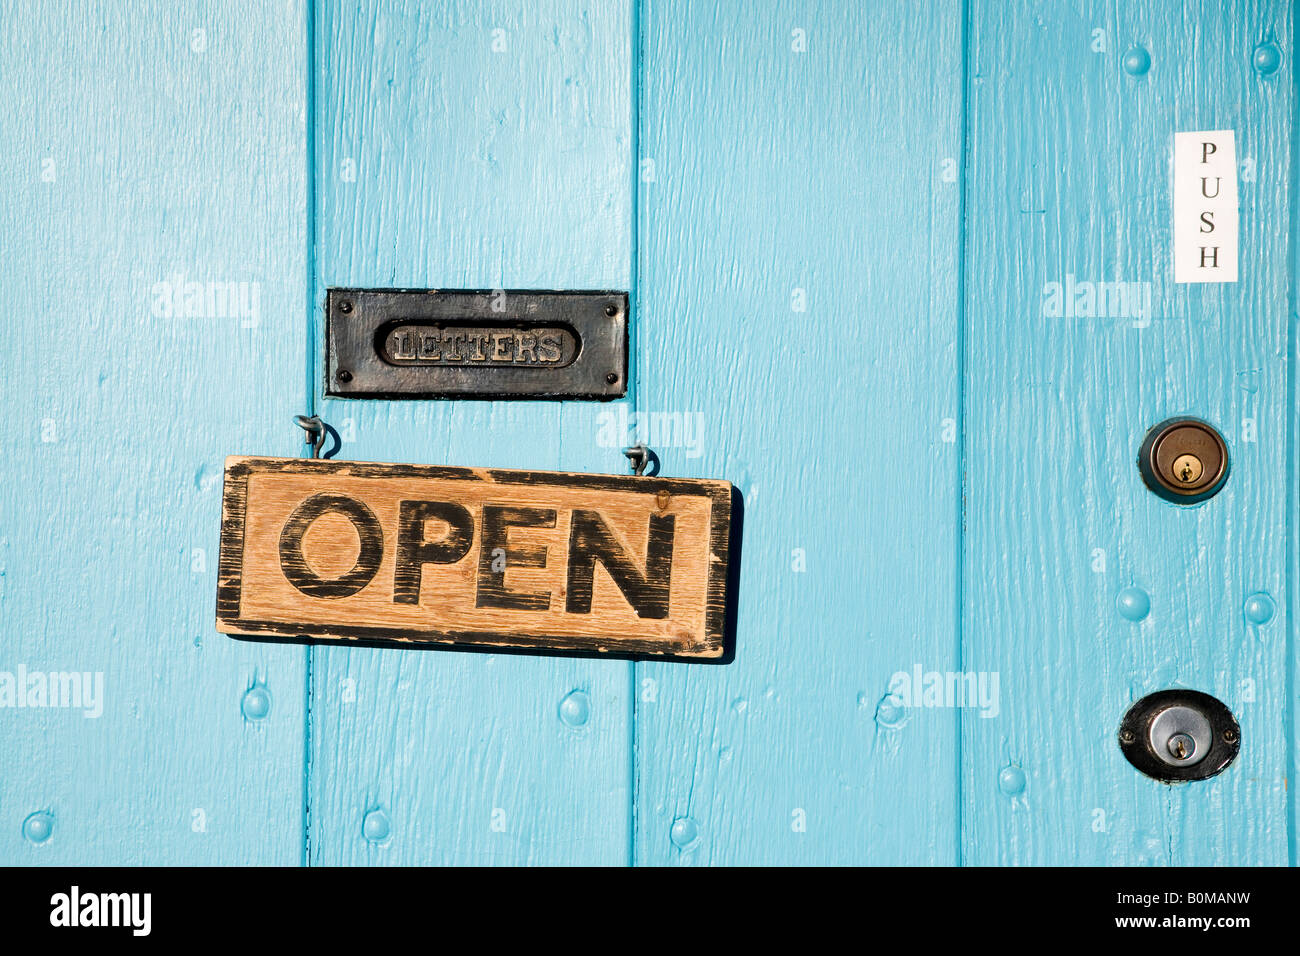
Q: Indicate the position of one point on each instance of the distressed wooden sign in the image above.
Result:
(413, 554)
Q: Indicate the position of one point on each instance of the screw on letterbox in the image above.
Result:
(345, 306)
(344, 375)
(611, 310)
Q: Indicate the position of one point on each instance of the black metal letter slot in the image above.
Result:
(492, 344)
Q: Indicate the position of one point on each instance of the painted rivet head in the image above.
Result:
(375, 827)
(1137, 61)
(1133, 604)
(1011, 780)
(38, 827)
(1259, 609)
(685, 833)
(575, 709)
(889, 712)
(1266, 58)
(257, 703)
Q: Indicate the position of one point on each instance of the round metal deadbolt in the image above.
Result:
(1180, 736)
(1174, 735)
(1184, 460)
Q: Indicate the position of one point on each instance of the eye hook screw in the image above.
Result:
(316, 432)
(638, 457)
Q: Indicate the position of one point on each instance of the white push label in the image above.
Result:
(1205, 206)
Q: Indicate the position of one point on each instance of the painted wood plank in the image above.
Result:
(1073, 108)
(155, 233)
(798, 287)
(472, 145)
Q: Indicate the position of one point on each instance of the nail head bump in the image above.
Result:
(1133, 604)
(38, 827)
(1137, 61)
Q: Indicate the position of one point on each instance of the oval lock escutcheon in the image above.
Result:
(1175, 735)
(1184, 460)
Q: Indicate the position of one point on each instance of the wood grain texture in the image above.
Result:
(146, 147)
(798, 289)
(1070, 174)
(491, 558)
(829, 217)
(482, 145)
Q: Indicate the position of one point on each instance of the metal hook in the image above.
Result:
(315, 429)
(638, 457)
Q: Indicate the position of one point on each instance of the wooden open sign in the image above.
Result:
(412, 554)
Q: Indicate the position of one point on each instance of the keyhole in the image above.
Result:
(1181, 746)
(1187, 468)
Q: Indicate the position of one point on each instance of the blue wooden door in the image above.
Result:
(840, 225)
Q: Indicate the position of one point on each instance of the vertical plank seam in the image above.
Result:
(1293, 466)
(309, 126)
(634, 369)
(959, 618)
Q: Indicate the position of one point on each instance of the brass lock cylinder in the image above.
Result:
(1184, 460)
